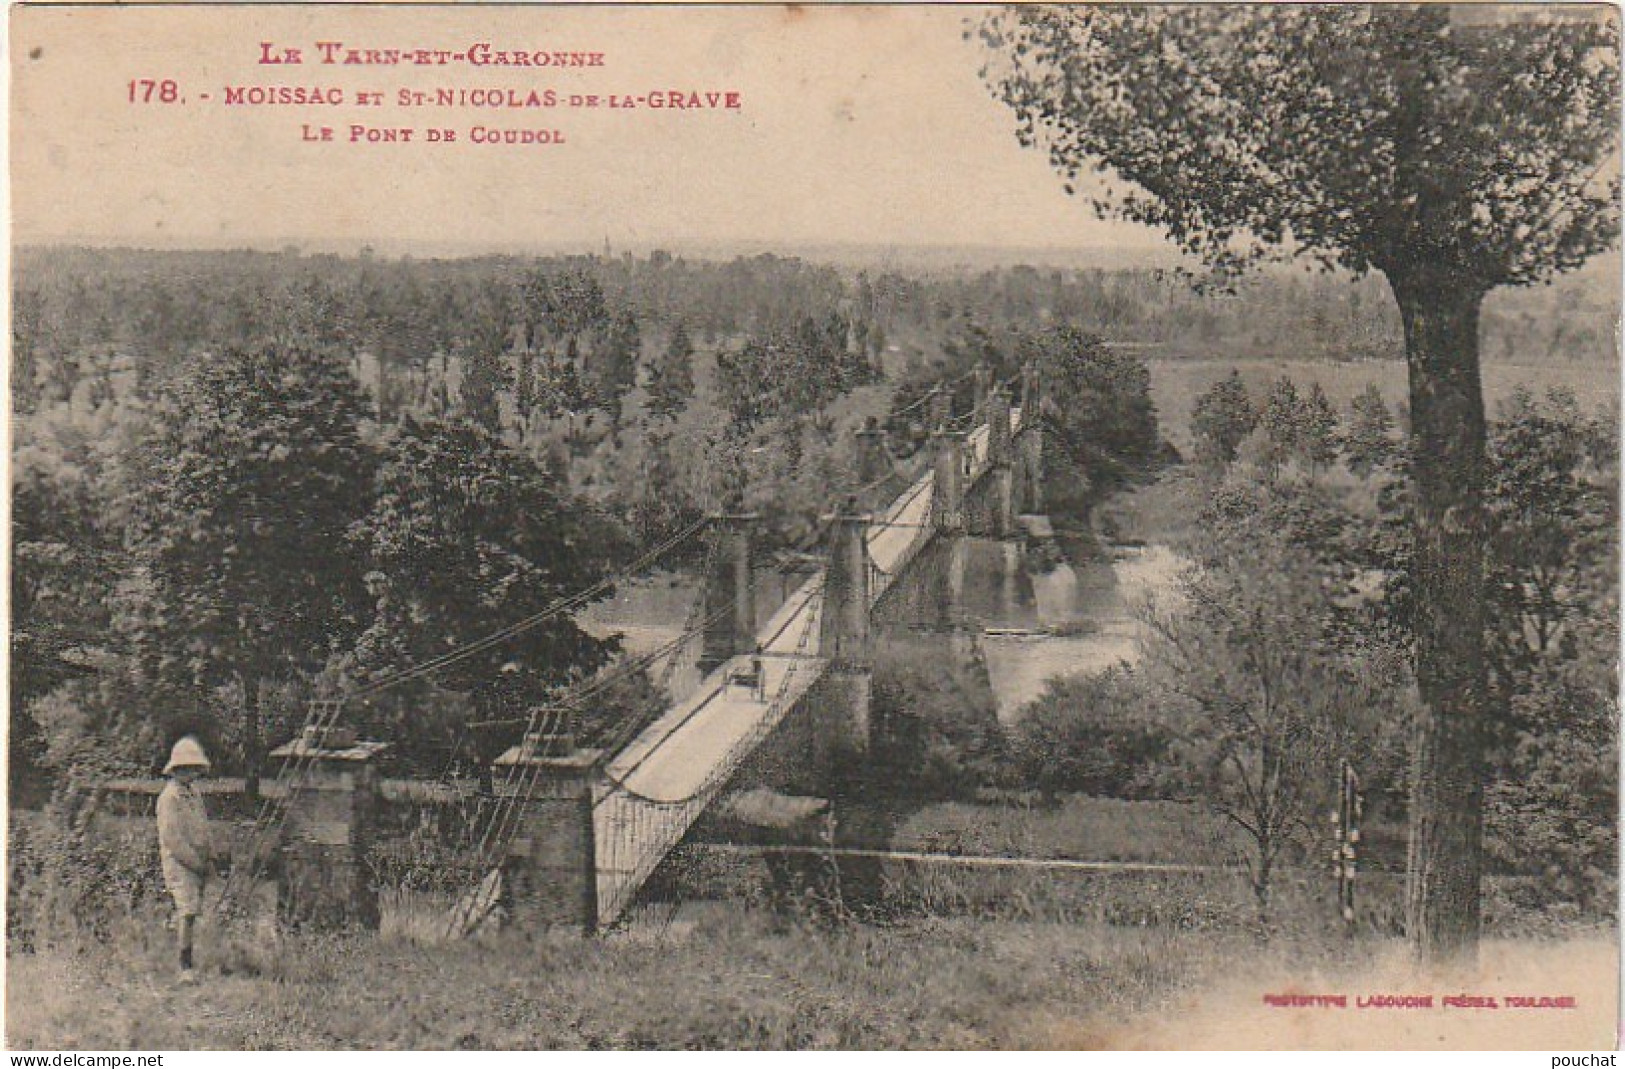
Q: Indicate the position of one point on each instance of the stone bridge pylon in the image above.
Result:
(798, 688)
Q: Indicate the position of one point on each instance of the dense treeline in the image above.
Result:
(76, 310)
(1286, 316)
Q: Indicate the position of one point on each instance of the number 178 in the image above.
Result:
(151, 90)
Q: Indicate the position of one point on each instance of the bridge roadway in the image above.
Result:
(659, 784)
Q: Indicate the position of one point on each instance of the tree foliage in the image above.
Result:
(483, 349)
(1098, 408)
(1222, 418)
(612, 368)
(251, 477)
(1319, 437)
(1090, 734)
(1472, 149)
(1554, 517)
(111, 332)
(790, 371)
(1451, 154)
(936, 731)
(466, 536)
(671, 376)
(1551, 587)
(67, 561)
(1369, 442)
(1264, 690)
(1281, 424)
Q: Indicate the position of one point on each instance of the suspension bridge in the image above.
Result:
(577, 832)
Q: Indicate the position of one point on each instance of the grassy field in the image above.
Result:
(732, 978)
(724, 978)
(1157, 513)
(1176, 384)
(972, 958)
(1101, 829)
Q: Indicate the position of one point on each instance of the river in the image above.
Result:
(1094, 608)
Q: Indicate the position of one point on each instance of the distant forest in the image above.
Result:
(76, 309)
(656, 386)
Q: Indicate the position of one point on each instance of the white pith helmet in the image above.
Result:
(187, 752)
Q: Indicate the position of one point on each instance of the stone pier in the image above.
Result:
(730, 605)
(549, 872)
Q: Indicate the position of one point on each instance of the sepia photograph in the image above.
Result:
(834, 526)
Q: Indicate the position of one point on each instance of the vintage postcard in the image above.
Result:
(849, 527)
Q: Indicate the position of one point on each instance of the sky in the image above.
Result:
(862, 126)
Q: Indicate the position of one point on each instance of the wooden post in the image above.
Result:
(1346, 828)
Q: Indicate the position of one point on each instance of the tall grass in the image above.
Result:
(961, 959)
(958, 957)
(716, 978)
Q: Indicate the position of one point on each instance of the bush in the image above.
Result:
(1550, 817)
(940, 733)
(74, 880)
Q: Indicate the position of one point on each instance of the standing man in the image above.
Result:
(759, 673)
(183, 841)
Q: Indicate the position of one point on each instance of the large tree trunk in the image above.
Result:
(1445, 862)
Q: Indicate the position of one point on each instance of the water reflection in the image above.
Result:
(1092, 609)
(652, 612)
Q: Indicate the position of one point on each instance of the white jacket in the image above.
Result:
(183, 828)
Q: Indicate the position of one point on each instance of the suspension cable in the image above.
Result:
(529, 623)
(669, 670)
(523, 775)
(324, 712)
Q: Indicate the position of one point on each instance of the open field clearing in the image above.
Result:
(726, 979)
